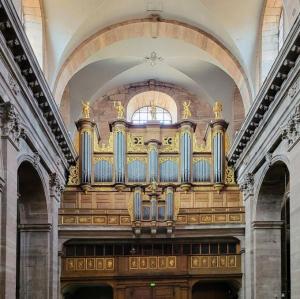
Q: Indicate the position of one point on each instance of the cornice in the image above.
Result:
(270, 93)
(17, 46)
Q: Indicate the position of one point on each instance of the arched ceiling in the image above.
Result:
(233, 22)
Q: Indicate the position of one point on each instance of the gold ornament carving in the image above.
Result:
(74, 175)
(135, 143)
(170, 144)
(136, 158)
(176, 206)
(104, 148)
(109, 159)
(164, 159)
(202, 147)
(229, 175)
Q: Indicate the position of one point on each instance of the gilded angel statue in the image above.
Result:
(186, 113)
(120, 109)
(86, 109)
(218, 107)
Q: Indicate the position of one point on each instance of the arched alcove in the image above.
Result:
(32, 18)
(99, 291)
(272, 35)
(214, 289)
(271, 235)
(149, 98)
(33, 238)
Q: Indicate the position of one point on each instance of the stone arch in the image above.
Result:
(150, 27)
(33, 22)
(270, 35)
(271, 218)
(33, 234)
(153, 97)
(91, 290)
(222, 289)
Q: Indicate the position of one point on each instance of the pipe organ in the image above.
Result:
(156, 166)
(145, 184)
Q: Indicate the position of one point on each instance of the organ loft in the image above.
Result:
(152, 211)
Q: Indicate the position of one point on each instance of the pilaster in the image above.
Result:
(10, 129)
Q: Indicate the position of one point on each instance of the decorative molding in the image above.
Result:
(268, 158)
(56, 186)
(276, 85)
(89, 264)
(247, 185)
(10, 123)
(36, 159)
(291, 132)
(13, 85)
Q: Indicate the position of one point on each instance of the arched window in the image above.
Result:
(272, 36)
(144, 114)
(281, 30)
(151, 105)
(32, 18)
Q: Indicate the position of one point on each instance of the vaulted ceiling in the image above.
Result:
(70, 25)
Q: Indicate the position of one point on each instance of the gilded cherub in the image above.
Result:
(86, 109)
(186, 113)
(218, 107)
(120, 109)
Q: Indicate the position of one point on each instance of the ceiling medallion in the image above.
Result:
(153, 59)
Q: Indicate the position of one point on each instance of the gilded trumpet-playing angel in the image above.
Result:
(86, 109)
(217, 109)
(120, 109)
(186, 113)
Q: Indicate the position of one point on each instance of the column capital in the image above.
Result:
(10, 123)
(56, 186)
(247, 185)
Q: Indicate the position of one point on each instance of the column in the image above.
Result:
(186, 130)
(10, 130)
(56, 188)
(247, 186)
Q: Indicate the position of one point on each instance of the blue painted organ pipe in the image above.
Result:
(119, 156)
(218, 147)
(137, 201)
(153, 162)
(185, 159)
(86, 157)
(170, 203)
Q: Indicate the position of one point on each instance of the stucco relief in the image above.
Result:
(10, 122)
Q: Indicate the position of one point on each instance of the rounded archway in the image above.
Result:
(214, 290)
(152, 98)
(271, 234)
(33, 235)
(99, 291)
(86, 52)
(272, 35)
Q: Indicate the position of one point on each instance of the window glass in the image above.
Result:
(144, 114)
